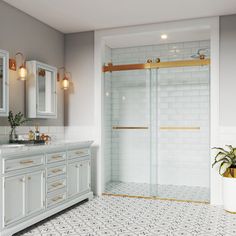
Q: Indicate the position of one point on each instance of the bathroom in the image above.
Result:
(112, 117)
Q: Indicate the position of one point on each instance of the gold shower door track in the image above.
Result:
(155, 198)
(156, 65)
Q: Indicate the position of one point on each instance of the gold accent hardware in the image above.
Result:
(12, 64)
(26, 162)
(29, 178)
(57, 199)
(129, 127)
(154, 198)
(57, 157)
(231, 212)
(202, 57)
(178, 128)
(158, 60)
(156, 65)
(79, 152)
(230, 173)
(56, 184)
(149, 61)
(56, 170)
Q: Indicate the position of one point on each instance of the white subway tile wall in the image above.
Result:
(182, 101)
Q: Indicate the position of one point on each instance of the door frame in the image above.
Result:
(211, 23)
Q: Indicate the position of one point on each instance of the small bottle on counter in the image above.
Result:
(31, 135)
(37, 133)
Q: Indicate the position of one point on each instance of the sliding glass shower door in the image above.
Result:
(157, 133)
(130, 102)
(183, 133)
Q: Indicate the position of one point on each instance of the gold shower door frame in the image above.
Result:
(156, 65)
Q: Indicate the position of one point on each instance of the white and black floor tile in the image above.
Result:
(130, 217)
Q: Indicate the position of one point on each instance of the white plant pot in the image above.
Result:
(229, 194)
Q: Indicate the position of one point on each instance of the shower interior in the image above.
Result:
(156, 124)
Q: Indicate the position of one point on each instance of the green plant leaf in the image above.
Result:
(220, 155)
(223, 167)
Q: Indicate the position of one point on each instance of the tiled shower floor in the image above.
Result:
(162, 191)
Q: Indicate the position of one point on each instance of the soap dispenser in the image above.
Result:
(37, 133)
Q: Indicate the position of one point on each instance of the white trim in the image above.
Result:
(215, 181)
(100, 38)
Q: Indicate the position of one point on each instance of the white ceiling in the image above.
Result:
(154, 38)
(83, 15)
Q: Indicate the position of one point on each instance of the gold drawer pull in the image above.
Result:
(26, 162)
(57, 170)
(57, 199)
(57, 157)
(57, 184)
(80, 152)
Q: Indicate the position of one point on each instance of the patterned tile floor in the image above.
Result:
(131, 216)
(162, 191)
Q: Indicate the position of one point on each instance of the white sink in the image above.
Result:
(11, 145)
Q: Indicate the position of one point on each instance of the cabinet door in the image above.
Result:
(35, 192)
(14, 199)
(46, 90)
(84, 176)
(73, 179)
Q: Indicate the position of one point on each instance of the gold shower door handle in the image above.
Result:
(129, 127)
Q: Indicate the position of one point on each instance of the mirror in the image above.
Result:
(46, 91)
(1, 82)
(41, 96)
(4, 57)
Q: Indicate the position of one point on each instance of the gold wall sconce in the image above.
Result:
(22, 71)
(65, 81)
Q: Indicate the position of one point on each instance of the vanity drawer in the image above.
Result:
(78, 153)
(55, 157)
(56, 184)
(55, 171)
(21, 163)
(55, 199)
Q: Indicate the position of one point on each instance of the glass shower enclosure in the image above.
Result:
(157, 133)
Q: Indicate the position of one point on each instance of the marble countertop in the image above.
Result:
(12, 149)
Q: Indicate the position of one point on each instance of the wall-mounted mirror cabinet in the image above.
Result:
(41, 90)
(4, 83)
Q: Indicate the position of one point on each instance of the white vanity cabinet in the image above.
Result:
(39, 184)
(13, 201)
(23, 196)
(41, 92)
(78, 177)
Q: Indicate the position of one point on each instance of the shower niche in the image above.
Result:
(156, 122)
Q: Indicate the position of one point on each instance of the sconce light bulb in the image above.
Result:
(65, 83)
(164, 36)
(22, 72)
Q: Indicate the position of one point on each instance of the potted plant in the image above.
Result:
(226, 160)
(15, 121)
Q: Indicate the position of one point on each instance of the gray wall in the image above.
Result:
(37, 41)
(79, 60)
(228, 70)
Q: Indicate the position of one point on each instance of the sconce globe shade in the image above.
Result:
(22, 72)
(65, 83)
